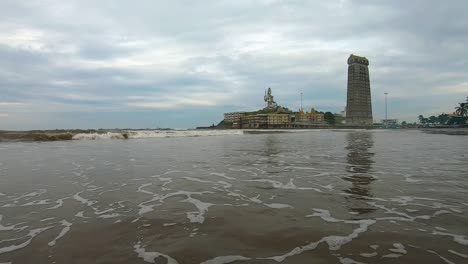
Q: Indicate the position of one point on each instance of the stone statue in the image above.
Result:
(269, 99)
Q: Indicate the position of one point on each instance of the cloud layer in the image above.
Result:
(182, 64)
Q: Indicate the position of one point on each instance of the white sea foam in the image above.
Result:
(194, 217)
(30, 195)
(94, 136)
(10, 227)
(197, 217)
(334, 242)
(106, 216)
(325, 215)
(279, 185)
(224, 259)
(66, 228)
(80, 214)
(399, 248)
(140, 188)
(59, 204)
(5, 228)
(83, 200)
(156, 134)
(31, 235)
(278, 205)
(151, 256)
(441, 257)
(106, 191)
(47, 219)
(349, 261)
(369, 255)
(392, 255)
(458, 253)
(457, 238)
(37, 202)
(222, 175)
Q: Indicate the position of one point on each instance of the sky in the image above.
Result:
(183, 63)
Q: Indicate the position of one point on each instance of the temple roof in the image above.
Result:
(358, 59)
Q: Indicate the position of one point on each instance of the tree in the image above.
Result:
(329, 118)
(462, 109)
(421, 119)
(404, 123)
(443, 119)
(433, 119)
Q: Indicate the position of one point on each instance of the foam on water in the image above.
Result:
(278, 205)
(59, 204)
(399, 248)
(83, 200)
(369, 255)
(289, 186)
(349, 261)
(441, 257)
(457, 253)
(156, 134)
(194, 217)
(66, 227)
(106, 216)
(259, 179)
(151, 256)
(462, 240)
(392, 255)
(334, 242)
(225, 259)
(5, 228)
(197, 217)
(37, 202)
(33, 233)
(9, 227)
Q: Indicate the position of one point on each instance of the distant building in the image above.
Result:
(390, 122)
(254, 121)
(274, 116)
(358, 104)
(233, 117)
(313, 117)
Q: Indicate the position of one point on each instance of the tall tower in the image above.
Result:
(358, 104)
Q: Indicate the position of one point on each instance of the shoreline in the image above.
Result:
(65, 135)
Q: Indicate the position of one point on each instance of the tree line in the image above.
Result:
(444, 119)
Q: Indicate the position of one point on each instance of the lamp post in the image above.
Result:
(301, 101)
(386, 117)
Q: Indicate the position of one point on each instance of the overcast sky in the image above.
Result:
(92, 64)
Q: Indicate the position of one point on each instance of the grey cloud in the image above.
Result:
(88, 55)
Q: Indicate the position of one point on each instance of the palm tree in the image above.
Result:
(462, 109)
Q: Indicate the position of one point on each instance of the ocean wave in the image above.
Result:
(155, 134)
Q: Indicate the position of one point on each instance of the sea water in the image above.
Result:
(293, 196)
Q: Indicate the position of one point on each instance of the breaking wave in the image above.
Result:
(156, 134)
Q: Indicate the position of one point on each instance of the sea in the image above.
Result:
(234, 196)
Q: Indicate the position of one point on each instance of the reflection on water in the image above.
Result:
(271, 145)
(360, 162)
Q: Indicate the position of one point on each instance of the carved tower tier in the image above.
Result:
(358, 104)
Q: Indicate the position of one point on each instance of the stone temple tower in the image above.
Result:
(358, 104)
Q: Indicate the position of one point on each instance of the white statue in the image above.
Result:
(269, 99)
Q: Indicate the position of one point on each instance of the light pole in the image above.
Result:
(386, 117)
(301, 101)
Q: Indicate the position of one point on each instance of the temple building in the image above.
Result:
(274, 116)
(358, 104)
